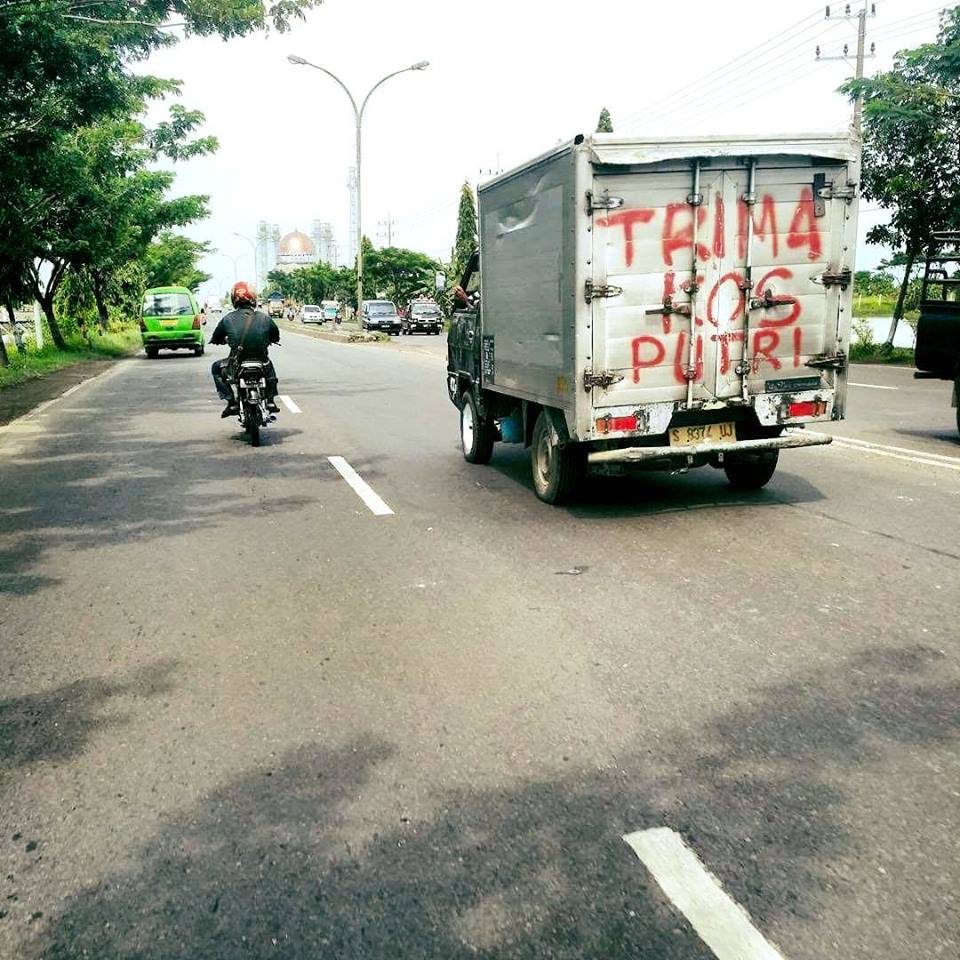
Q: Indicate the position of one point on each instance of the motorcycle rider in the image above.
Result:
(249, 333)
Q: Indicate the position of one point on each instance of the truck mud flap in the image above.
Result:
(637, 454)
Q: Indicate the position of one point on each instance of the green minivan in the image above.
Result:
(171, 320)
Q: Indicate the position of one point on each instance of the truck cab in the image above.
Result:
(938, 330)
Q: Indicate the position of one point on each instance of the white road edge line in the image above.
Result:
(288, 403)
(870, 445)
(871, 386)
(720, 922)
(879, 452)
(360, 486)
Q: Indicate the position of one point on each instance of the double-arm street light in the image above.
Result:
(358, 118)
(234, 260)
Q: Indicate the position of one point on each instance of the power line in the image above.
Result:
(799, 61)
(804, 69)
(748, 61)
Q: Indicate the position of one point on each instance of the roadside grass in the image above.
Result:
(35, 363)
(878, 353)
(873, 306)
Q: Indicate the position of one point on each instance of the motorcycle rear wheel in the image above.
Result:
(252, 424)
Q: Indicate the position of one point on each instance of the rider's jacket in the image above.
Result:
(249, 333)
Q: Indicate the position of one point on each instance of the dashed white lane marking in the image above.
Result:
(870, 386)
(360, 486)
(720, 922)
(898, 453)
(288, 403)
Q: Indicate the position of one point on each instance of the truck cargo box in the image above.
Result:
(633, 286)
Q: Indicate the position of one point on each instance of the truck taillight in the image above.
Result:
(807, 408)
(196, 322)
(611, 424)
(143, 326)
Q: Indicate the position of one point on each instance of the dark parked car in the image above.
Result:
(380, 315)
(422, 316)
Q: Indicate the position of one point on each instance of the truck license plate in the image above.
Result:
(168, 323)
(703, 433)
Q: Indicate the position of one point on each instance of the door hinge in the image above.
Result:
(602, 379)
(605, 202)
(822, 192)
(833, 362)
(839, 278)
(596, 291)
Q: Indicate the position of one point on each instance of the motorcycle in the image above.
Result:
(251, 398)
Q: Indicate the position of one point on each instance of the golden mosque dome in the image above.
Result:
(296, 244)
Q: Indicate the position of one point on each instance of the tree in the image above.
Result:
(604, 124)
(874, 283)
(911, 166)
(467, 241)
(65, 67)
(124, 200)
(171, 261)
(400, 274)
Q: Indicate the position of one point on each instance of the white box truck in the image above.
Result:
(658, 305)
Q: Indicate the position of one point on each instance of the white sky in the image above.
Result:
(507, 80)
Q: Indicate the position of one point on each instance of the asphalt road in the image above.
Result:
(242, 715)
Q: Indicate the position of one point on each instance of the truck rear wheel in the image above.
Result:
(476, 433)
(557, 468)
(751, 471)
(956, 394)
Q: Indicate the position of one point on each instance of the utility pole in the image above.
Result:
(867, 10)
(388, 223)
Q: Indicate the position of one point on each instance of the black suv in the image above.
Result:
(422, 316)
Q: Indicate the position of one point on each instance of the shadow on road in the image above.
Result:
(264, 867)
(55, 725)
(106, 477)
(951, 437)
(654, 493)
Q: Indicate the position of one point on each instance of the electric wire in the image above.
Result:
(793, 64)
(720, 109)
(738, 65)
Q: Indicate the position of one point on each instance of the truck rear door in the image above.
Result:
(663, 315)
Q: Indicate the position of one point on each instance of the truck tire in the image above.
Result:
(476, 433)
(751, 472)
(557, 468)
(151, 352)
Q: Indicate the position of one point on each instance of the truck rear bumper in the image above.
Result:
(637, 454)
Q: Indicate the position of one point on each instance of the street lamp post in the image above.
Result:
(256, 269)
(234, 261)
(358, 119)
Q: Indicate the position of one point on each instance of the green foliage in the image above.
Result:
(171, 261)
(77, 189)
(398, 274)
(604, 124)
(314, 283)
(467, 241)
(911, 127)
(881, 353)
(35, 363)
(874, 283)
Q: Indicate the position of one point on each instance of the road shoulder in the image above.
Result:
(19, 399)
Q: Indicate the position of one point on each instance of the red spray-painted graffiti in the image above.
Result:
(774, 313)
